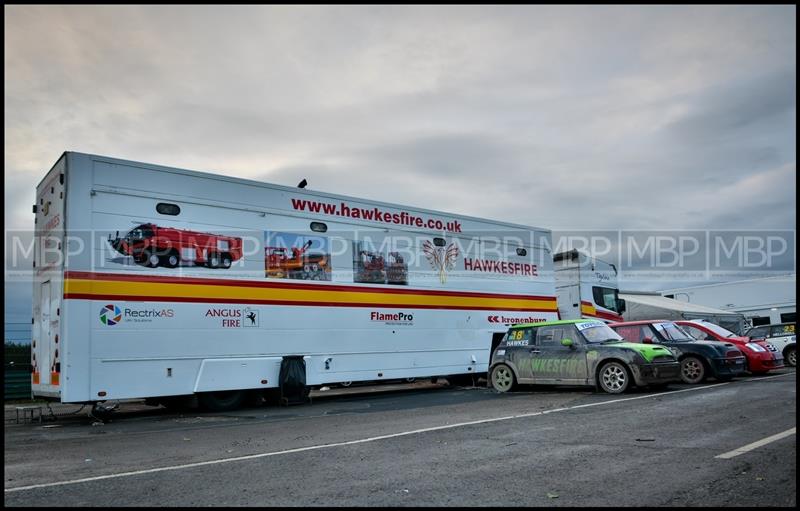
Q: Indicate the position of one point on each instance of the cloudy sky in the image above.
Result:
(565, 117)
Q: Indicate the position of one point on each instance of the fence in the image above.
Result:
(17, 371)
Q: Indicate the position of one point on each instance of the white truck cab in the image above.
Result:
(586, 287)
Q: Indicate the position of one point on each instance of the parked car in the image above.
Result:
(760, 356)
(781, 335)
(578, 352)
(699, 359)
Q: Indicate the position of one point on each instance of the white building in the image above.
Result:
(763, 301)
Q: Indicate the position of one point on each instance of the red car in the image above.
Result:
(761, 356)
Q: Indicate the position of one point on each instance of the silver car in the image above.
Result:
(781, 335)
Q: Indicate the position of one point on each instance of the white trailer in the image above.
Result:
(586, 287)
(763, 301)
(153, 281)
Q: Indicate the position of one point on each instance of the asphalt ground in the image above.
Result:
(425, 444)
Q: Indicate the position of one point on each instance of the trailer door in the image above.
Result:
(41, 353)
(48, 281)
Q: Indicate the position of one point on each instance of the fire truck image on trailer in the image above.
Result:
(299, 266)
(153, 246)
(105, 329)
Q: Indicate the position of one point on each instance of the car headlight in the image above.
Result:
(755, 347)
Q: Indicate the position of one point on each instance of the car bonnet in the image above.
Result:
(647, 351)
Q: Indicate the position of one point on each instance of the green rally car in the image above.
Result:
(578, 352)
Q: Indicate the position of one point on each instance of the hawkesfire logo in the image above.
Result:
(442, 259)
(110, 315)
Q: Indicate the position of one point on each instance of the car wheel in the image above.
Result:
(692, 370)
(503, 379)
(614, 378)
(790, 356)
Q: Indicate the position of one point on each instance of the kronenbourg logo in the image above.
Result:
(110, 315)
(442, 259)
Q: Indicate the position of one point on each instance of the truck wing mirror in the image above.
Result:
(647, 340)
(567, 342)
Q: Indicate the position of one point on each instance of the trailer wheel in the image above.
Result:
(222, 401)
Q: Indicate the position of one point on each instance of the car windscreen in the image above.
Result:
(597, 332)
(606, 297)
(140, 232)
(672, 332)
(724, 332)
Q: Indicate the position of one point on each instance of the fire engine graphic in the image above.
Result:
(301, 264)
(442, 259)
(371, 267)
(154, 246)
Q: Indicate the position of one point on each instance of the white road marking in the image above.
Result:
(755, 445)
(363, 440)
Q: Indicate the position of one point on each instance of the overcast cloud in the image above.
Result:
(564, 117)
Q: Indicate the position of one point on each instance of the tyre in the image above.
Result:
(226, 261)
(213, 260)
(502, 378)
(147, 258)
(345, 383)
(693, 370)
(222, 401)
(153, 259)
(614, 378)
(176, 403)
(790, 356)
(410, 380)
(171, 260)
